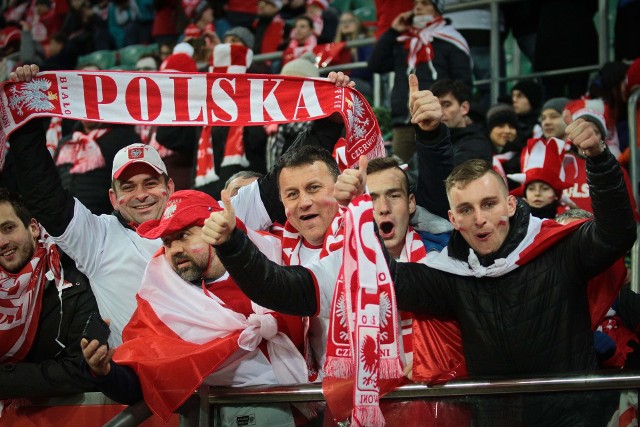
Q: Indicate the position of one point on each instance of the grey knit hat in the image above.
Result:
(557, 104)
(243, 34)
(305, 66)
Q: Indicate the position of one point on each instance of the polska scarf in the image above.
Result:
(363, 331)
(21, 299)
(418, 43)
(188, 99)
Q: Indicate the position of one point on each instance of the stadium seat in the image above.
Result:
(103, 59)
(341, 5)
(366, 15)
(129, 55)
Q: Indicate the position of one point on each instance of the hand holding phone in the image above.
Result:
(96, 329)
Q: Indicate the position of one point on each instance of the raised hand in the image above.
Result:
(582, 134)
(219, 226)
(424, 106)
(351, 182)
(340, 79)
(24, 73)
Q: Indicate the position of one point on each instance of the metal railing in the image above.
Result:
(634, 175)
(221, 396)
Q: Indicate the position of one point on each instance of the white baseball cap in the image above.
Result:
(137, 153)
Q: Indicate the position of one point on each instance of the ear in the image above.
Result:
(171, 186)
(34, 228)
(412, 204)
(113, 199)
(511, 205)
(452, 219)
(465, 107)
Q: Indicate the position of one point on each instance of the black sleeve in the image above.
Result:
(323, 133)
(288, 290)
(435, 163)
(421, 289)
(38, 179)
(382, 58)
(182, 139)
(629, 308)
(598, 243)
(120, 384)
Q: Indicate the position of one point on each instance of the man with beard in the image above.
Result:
(193, 319)
(43, 315)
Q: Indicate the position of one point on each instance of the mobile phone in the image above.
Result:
(96, 329)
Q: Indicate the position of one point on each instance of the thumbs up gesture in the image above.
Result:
(424, 106)
(351, 182)
(582, 134)
(219, 226)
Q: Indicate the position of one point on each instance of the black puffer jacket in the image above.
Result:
(532, 320)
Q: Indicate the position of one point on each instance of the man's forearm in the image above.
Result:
(288, 290)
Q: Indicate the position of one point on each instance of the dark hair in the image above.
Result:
(307, 155)
(381, 164)
(469, 171)
(243, 175)
(304, 18)
(574, 214)
(456, 88)
(16, 202)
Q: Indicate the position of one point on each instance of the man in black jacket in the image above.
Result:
(39, 340)
(469, 140)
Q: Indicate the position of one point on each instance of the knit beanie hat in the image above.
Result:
(501, 114)
(557, 104)
(184, 47)
(243, 34)
(179, 62)
(305, 66)
(532, 90)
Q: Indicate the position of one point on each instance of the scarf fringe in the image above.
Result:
(390, 368)
(238, 159)
(370, 416)
(208, 178)
(339, 367)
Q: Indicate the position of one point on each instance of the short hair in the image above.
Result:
(307, 155)
(385, 163)
(469, 171)
(16, 202)
(304, 18)
(242, 175)
(456, 88)
(575, 213)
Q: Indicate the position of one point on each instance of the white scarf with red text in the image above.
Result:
(363, 330)
(188, 99)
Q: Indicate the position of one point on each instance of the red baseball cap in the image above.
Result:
(185, 208)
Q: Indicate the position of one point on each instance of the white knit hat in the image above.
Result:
(305, 66)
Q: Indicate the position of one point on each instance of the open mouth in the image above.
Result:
(483, 236)
(308, 217)
(9, 252)
(386, 228)
(143, 207)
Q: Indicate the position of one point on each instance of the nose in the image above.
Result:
(141, 193)
(479, 218)
(381, 206)
(305, 200)
(174, 248)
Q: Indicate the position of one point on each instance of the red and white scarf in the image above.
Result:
(413, 251)
(54, 134)
(363, 333)
(181, 333)
(21, 300)
(83, 152)
(189, 99)
(418, 42)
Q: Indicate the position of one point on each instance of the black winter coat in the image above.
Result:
(48, 369)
